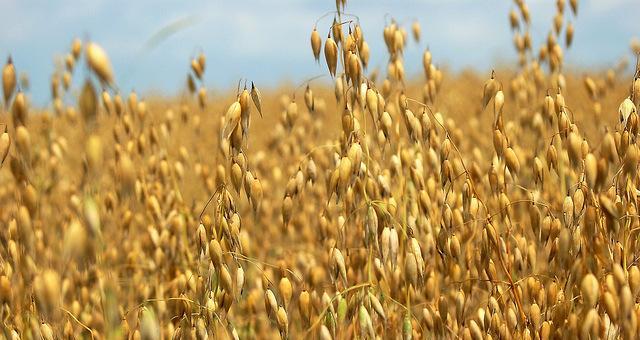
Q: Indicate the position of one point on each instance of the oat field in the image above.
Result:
(363, 204)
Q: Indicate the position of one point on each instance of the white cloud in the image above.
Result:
(611, 5)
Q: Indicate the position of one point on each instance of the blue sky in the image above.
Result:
(268, 41)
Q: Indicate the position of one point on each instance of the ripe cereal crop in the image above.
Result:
(362, 204)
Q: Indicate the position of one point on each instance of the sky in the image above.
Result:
(268, 41)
